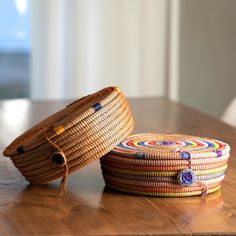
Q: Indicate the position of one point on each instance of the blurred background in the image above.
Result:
(183, 50)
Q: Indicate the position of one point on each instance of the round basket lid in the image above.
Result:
(170, 146)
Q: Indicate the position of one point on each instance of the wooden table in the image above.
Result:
(90, 207)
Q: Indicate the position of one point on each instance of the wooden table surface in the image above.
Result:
(90, 207)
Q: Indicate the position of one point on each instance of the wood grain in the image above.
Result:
(90, 207)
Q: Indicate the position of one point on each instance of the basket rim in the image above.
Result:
(60, 121)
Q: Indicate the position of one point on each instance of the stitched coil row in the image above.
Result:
(168, 165)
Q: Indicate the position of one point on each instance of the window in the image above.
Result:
(15, 47)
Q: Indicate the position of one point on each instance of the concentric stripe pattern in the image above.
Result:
(168, 165)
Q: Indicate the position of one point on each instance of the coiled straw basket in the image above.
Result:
(72, 138)
(169, 165)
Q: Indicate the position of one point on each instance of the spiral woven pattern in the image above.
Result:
(168, 165)
(73, 137)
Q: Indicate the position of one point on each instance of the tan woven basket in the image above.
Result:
(72, 138)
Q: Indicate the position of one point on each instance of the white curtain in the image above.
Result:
(80, 46)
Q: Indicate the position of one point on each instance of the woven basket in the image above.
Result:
(168, 165)
(72, 138)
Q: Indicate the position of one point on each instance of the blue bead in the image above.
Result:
(97, 106)
(20, 149)
(140, 155)
(58, 159)
(185, 155)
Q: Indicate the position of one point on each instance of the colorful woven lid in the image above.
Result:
(168, 165)
(73, 137)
